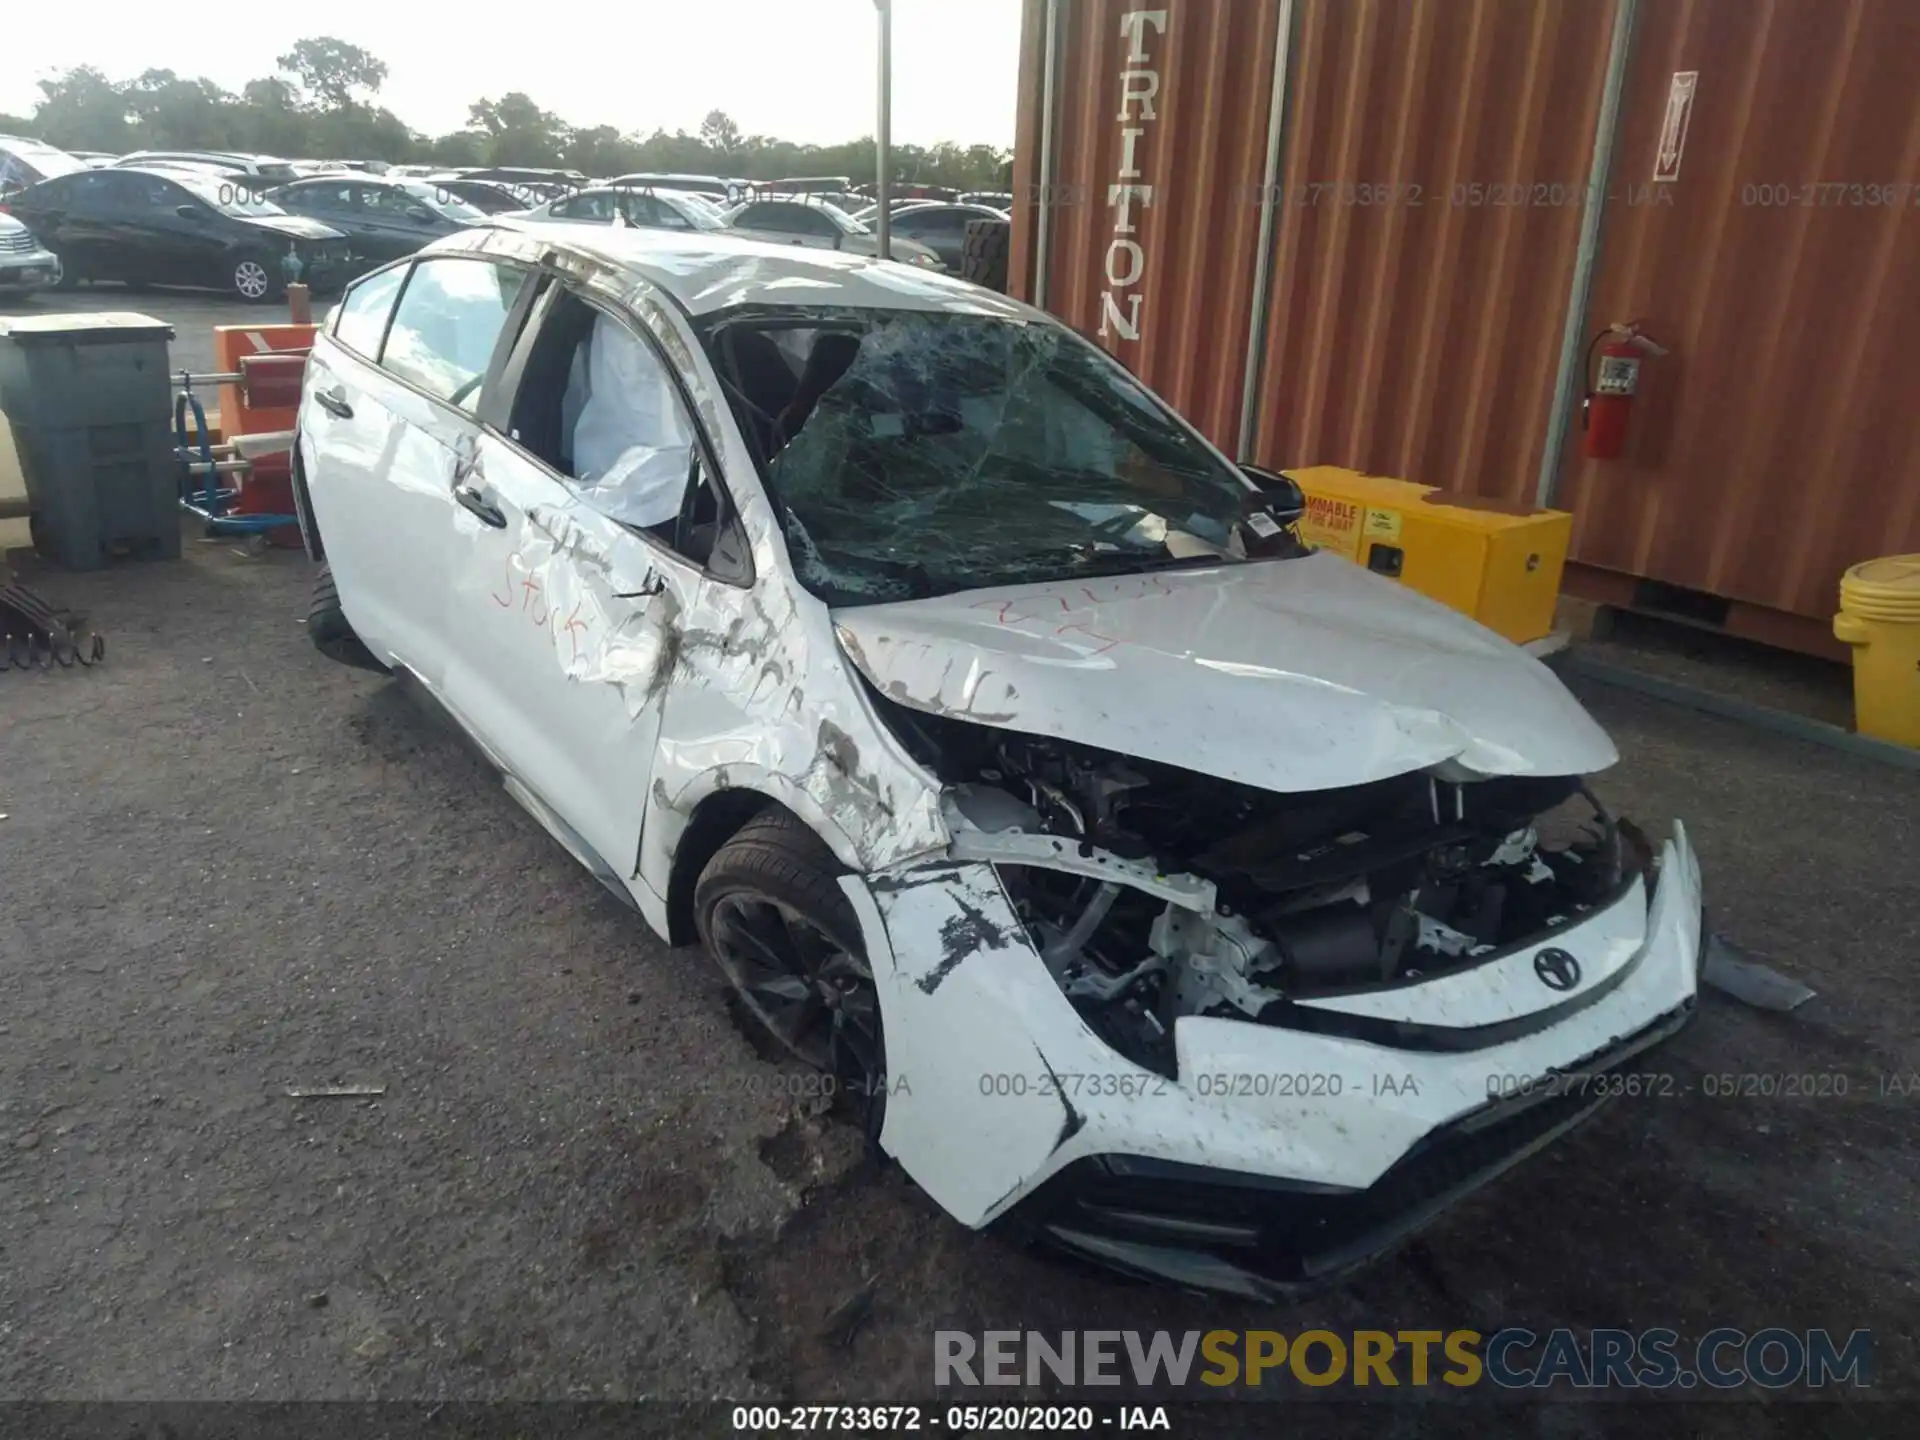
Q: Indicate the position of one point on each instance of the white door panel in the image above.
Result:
(559, 626)
(380, 480)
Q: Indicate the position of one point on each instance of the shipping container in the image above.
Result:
(1383, 233)
(1779, 443)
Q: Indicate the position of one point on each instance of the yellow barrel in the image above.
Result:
(1880, 618)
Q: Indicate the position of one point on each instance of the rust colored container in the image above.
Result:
(1394, 256)
(1780, 442)
(1436, 169)
(1159, 128)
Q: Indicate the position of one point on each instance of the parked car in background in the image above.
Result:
(265, 168)
(525, 193)
(25, 162)
(940, 227)
(178, 227)
(715, 186)
(554, 180)
(993, 199)
(978, 717)
(804, 220)
(382, 219)
(647, 208)
(25, 264)
(802, 185)
(486, 196)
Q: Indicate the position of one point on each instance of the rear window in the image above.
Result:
(362, 317)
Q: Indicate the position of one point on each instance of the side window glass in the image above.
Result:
(598, 403)
(363, 311)
(385, 202)
(767, 217)
(113, 192)
(814, 223)
(585, 207)
(445, 326)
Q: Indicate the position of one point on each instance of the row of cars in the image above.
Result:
(250, 225)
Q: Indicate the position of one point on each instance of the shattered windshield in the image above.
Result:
(911, 453)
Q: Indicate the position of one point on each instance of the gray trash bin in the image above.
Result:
(88, 399)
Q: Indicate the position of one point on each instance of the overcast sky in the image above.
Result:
(803, 70)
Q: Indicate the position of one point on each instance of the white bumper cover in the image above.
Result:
(996, 1083)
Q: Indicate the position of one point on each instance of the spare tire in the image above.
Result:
(984, 260)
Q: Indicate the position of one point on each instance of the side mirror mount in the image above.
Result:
(1270, 513)
(1280, 495)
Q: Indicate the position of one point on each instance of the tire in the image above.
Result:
(327, 627)
(251, 279)
(983, 259)
(775, 872)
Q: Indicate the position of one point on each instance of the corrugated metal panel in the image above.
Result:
(1436, 163)
(1028, 127)
(1781, 441)
(1203, 153)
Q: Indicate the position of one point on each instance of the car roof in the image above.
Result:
(705, 271)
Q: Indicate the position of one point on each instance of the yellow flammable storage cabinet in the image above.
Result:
(1497, 562)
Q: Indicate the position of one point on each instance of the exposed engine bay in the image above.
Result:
(1262, 898)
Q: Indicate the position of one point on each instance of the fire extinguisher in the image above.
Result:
(1609, 398)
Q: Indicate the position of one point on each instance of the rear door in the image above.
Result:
(93, 237)
(388, 427)
(570, 587)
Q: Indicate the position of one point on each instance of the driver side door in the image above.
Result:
(570, 585)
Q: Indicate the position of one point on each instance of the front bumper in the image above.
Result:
(29, 270)
(1269, 1239)
(1352, 1131)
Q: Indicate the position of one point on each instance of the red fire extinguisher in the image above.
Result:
(1609, 399)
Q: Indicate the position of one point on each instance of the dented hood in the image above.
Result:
(1290, 675)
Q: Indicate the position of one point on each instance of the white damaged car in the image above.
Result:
(1193, 901)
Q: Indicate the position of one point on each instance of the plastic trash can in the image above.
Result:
(87, 398)
(1880, 619)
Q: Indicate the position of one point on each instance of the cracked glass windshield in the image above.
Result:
(911, 454)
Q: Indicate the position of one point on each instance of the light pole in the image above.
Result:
(882, 135)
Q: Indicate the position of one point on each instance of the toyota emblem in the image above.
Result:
(1557, 969)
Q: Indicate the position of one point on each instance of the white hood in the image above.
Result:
(1289, 675)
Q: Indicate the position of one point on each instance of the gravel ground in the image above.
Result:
(228, 867)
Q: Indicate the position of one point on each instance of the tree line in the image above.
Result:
(321, 104)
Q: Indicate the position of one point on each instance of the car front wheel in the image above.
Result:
(252, 280)
(771, 913)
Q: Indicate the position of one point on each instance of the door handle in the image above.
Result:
(649, 587)
(476, 501)
(334, 402)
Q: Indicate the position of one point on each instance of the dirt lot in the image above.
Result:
(228, 867)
